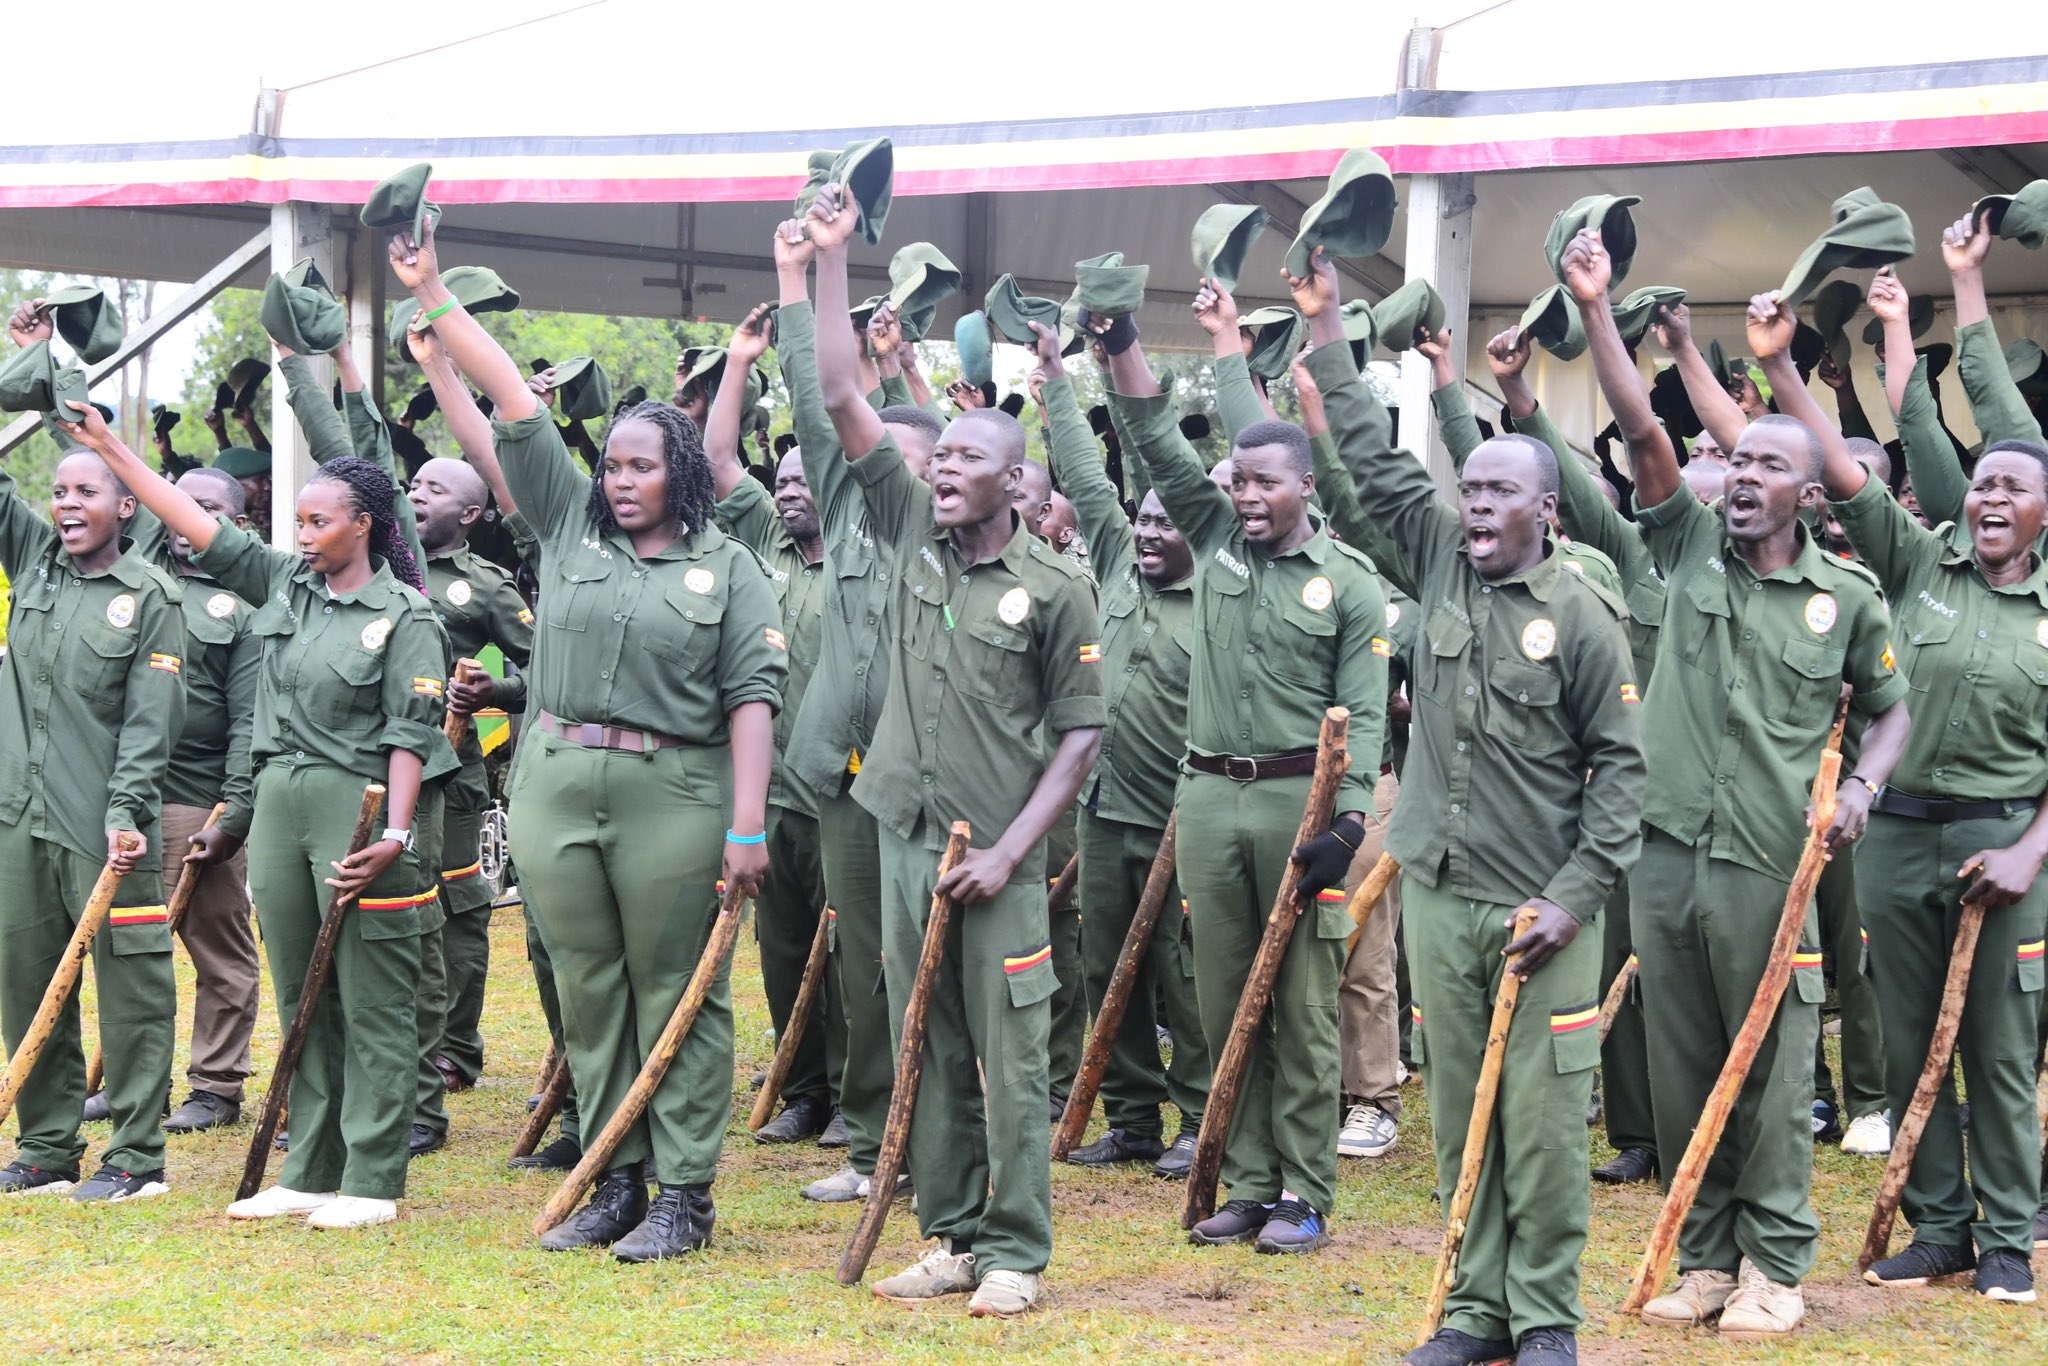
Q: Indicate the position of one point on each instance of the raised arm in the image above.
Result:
(1447, 398)
(1202, 511)
(1938, 479)
(796, 350)
(172, 505)
(748, 343)
(1587, 273)
(1771, 327)
(325, 429)
(371, 437)
(1582, 509)
(1077, 463)
(1237, 399)
(1718, 411)
(1995, 401)
(465, 421)
(1848, 405)
(475, 352)
(830, 225)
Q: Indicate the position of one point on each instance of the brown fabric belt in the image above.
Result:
(605, 737)
(1250, 768)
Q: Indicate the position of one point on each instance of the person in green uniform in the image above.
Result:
(644, 773)
(1961, 820)
(1147, 652)
(1761, 632)
(783, 530)
(1287, 619)
(992, 635)
(351, 694)
(1523, 777)
(90, 699)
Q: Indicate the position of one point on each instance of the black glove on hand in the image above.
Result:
(1325, 859)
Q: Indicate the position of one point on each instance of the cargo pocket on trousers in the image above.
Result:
(391, 917)
(1574, 1049)
(138, 929)
(2027, 966)
(1809, 988)
(1031, 982)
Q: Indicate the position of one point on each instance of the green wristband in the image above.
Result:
(452, 301)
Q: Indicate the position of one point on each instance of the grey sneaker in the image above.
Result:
(940, 1271)
(1005, 1294)
(1368, 1131)
(203, 1110)
(847, 1185)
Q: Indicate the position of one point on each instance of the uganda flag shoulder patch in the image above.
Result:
(1091, 653)
(1888, 659)
(428, 687)
(1382, 647)
(1629, 694)
(169, 664)
(526, 616)
(775, 638)
(1577, 1018)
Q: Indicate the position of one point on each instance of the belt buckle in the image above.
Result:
(590, 736)
(1239, 769)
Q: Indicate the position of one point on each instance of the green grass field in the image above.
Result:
(458, 1279)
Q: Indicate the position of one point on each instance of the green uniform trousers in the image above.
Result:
(1842, 943)
(43, 887)
(1069, 1036)
(1625, 1056)
(1912, 906)
(1703, 928)
(785, 921)
(1116, 859)
(981, 1156)
(352, 1096)
(1234, 843)
(849, 846)
(1519, 1267)
(551, 1010)
(466, 933)
(622, 852)
(430, 1010)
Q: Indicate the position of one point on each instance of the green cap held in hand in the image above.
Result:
(1354, 216)
(400, 202)
(1222, 236)
(1413, 308)
(1607, 212)
(1867, 233)
(300, 313)
(87, 321)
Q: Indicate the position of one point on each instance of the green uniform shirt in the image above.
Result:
(983, 654)
(91, 691)
(1748, 672)
(1976, 657)
(1525, 773)
(749, 514)
(1147, 634)
(346, 679)
(1403, 621)
(211, 760)
(478, 605)
(2001, 411)
(1939, 483)
(1279, 640)
(669, 644)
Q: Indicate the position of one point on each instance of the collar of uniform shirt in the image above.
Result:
(1805, 565)
(125, 567)
(1014, 552)
(377, 592)
(1539, 578)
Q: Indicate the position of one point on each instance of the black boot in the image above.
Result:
(618, 1203)
(800, 1119)
(1627, 1166)
(562, 1155)
(678, 1221)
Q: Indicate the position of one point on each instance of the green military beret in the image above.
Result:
(403, 311)
(977, 352)
(1634, 314)
(703, 366)
(1107, 287)
(583, 391)
(2023, 217)
(300, 313)
(634, 395)
(162, 419)
(1354, 215)
(1277, 334)
(479, 289)
(1607, 212)
(817, 172)
(33, 382)
(1552, 321)
(919, 277)
(241, 462)
(246, 376)
(400, 201)
(1938, 357)
(1867, 233)
(1011, 310)
(1361, 330)
(1834, 303)
(1672, 405)
(1223, 235)
(2023, 362)
(1073, 340)
(1718, 363)
(1414, 307)
(866, 172)
(87, 321)
(1919, 317)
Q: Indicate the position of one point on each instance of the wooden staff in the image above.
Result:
(1877, 1238)
(318, 964)
(181, 898)
(1367, 898)
(1476, 1130)
(62, 982)
(1763, 1009)
(598, 1154)
(1062, 890)
(1332, 758)
(547, 1070)
(2041, 1099)
(552, 1094)
(1617, 992)
(456, 724)
(793, 1028)
(853, 1262)
(1117, 996)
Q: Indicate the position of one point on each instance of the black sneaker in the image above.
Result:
(1920, 1263)
(112, 1184)
(1294, 1227)
(425, 1140)
(1627, 1167)
(2041, 1227)
(799, 1120)
(836, 1135)
(203, 1110)
(1059, 1109)
(1452, 1348)
(98, 1109)
(19, 1178)
(679, 1221)
(617, 1205)
(1239, 1221)
(1116, 1146)
(1547, 1347)
(562, 1155)
(1827, 1121)
(2005, 1276)
(1173, 1164)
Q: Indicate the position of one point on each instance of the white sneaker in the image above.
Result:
(1761, 1309)
(1005, 1294)
(1368, 1132)
(1700, 1295)
(353, 1211)
(940, 1271)
(1870, 1136)
(279, 1200)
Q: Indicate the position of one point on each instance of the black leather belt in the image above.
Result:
(1893, 802)
(1251, 768)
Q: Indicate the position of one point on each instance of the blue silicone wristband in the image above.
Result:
(731, 838)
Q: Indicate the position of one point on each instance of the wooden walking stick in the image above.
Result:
(318, 964)
(1763, 1009)
(597, 1155)
(2041, 1099)
(552, 1093)
(853, 1262)
(1116, 996)
(1617, 992)
(1332, 758)
(1941, 1047)
(181, 898)
(1477, 1129)
(456, 725)
(1367, 898)
(547, 1069)
(62, 982)
(1062, 889)
(793, 1029)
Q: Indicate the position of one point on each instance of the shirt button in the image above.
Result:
(1983, 635)
(1749, 635)
(56, 626)
(1484, 588)
(1469, 691)
(1723, 780)
(1244, 735)
(327, 611)
(927, 779)
(688, 616)
(618, 616)
(1461, 746)
(78, 583)
(1940, 772)
(605, 673)
(1264, 603)
(1246, 693)
(1954, 721)
(1916, 637)
(860, 671)
(1454, 808)
(930, 729)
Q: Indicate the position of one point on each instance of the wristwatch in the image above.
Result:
(403, 836)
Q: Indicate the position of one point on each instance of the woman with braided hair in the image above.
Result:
(657, 670)
(351, 693)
